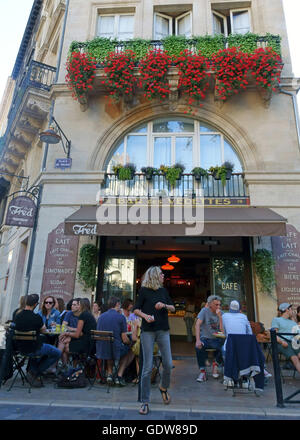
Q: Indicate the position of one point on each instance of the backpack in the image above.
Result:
(74, 378)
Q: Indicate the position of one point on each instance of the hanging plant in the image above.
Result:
(199, 172)
(264, 264)
(172, 173)
(153, 70)
(149, 172)
(124, 172)
(222, 172)
(120, 79)
(231, 67)
(81, 69)
(87, 266)
(194, 75)
(266, 66)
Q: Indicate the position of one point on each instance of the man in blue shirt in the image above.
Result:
(285, 324)
(114, 321)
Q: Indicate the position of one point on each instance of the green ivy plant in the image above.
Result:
(199, 172)
(172, 173)
(207, 45)
(264, 264)
(149, 172)
(87, 266)
(174, 44)
(222, 172)
(124, 172)
(139, 46)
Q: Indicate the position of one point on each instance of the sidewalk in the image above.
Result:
(188, 396)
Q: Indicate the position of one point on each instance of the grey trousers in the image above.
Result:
(162, 338)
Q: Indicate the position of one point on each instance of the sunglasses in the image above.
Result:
(48, 302)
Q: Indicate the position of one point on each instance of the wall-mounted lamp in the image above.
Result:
(51, 136)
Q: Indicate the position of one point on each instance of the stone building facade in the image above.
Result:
(258, 132)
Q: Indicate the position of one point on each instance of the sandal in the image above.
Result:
(144, 410)
(136, 381)
(165, 396)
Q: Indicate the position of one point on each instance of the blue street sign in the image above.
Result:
(63, 163)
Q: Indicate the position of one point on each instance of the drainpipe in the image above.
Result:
(294, 98)
(56, 78)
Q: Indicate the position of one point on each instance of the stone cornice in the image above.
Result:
(272, 178)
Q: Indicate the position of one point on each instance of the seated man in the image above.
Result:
(235, 322)
(70, 321)
(114, 321)
(284, 324)
(25, 321)
(209, 321)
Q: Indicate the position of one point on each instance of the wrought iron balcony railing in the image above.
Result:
(187, 186)
(39, 76)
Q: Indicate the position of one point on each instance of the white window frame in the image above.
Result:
(116, 23)
(224, 18)
(240, 10)
(159, 14)
(179, 18)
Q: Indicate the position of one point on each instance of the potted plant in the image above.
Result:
(172, 173)
(222, 172)
(199, 172)
(124, 172)
(149, 172)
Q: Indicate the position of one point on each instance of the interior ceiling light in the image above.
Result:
(173, 259)
(167, 266)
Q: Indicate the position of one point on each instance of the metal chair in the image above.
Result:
(19, 356)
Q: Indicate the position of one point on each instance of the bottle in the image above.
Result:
(57, 328)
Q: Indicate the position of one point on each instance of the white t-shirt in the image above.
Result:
(236, 323)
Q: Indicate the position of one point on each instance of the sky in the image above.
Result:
(15, 13)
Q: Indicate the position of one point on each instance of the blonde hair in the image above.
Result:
(151, 278)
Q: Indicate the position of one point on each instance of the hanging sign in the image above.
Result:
(21, 211)
(63, 163)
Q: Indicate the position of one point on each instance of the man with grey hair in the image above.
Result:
(209, 321)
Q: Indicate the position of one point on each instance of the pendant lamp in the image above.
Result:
(173, 259)
(167, 266)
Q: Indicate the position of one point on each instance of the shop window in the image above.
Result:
(232, 21)
(118, 278)
(119, 26)
(165, 25)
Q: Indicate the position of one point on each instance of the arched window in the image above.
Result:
(166, 141)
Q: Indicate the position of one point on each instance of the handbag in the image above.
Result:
(74, 378)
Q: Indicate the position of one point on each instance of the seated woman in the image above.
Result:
(48, 312)
(70, 321)
(80, 339)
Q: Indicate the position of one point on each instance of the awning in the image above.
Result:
(218, 221)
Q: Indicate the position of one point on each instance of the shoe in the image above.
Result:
(228, 383)
(144, 410)
(110, 379)
(245, 384)
(267, 374)
(165, 396)
(120, 381)
(215, 371)
(202, 376)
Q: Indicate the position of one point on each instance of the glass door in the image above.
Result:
(119, 276)
(229, 281)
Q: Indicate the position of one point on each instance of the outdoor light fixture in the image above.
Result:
(173, 259)
(51, 136)
(167, 266)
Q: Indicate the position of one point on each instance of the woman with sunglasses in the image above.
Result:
(153, 305)
(49, 314)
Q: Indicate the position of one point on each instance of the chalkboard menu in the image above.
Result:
(60, 265)
(286, 251)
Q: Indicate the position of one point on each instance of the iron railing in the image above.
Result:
(277, 375)
(186, 186)
(38, 75)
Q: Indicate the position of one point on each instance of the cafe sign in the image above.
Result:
(21, 211)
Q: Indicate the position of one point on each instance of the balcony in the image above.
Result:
(234, 192)
(28, 112)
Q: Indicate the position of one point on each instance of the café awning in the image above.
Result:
(218, 221)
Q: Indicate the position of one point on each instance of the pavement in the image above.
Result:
(190, 400)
